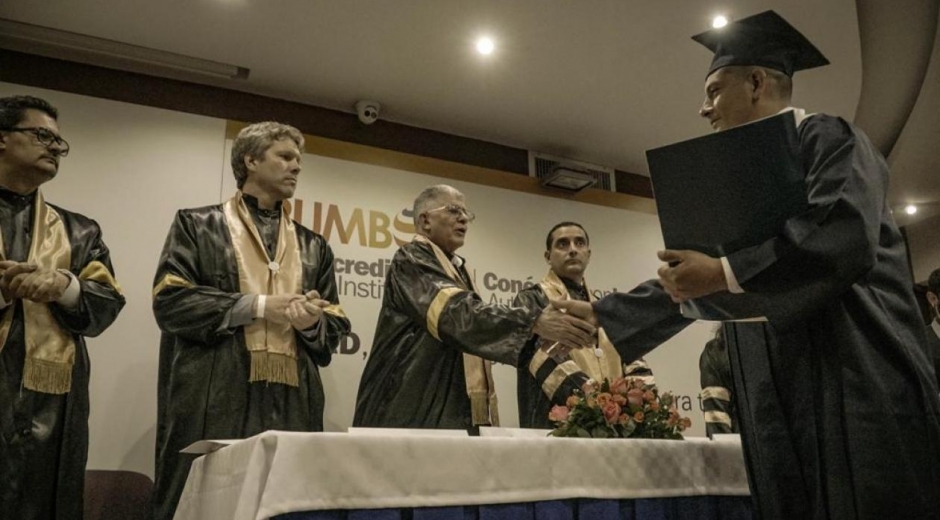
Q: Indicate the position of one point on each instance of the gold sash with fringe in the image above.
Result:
(273, 346)
(50, 350)
(478, 372)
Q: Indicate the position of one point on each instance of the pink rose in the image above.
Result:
(638, 417)
(603, 398)
(572, 401)
(619, 399)
(635, 397)
(619, 386)
(648, 396)
(558, 413)
(685, 423)
(624, 419)
(589, 387)
(611, 412)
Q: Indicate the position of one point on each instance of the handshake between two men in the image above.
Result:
(570, 324)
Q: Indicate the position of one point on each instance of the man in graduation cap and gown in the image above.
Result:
(435, 341)
(57, 287)
(836, 399)
(544, 380)
(247, 303)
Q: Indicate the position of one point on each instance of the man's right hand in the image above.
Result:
(4, 265)
(276, 305)
(569, 331)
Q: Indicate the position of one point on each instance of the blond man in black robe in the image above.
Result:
(247, 303)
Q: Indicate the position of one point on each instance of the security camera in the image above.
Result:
(368, 111)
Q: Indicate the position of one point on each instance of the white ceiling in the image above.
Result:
(596, 80)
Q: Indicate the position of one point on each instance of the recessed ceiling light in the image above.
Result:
(485, 45)
(719, 21)
(910, 209)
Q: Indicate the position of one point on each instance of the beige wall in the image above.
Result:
(132, 167)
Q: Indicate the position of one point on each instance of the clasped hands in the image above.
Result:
(301, 311)
(565, 325)
(22, 280)
(689, 274)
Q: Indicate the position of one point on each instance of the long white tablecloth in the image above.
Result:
(281, 472)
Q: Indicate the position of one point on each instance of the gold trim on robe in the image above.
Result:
(50, 350)
(273, 346)
(478, 372)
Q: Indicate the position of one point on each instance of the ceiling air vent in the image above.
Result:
(569, 175)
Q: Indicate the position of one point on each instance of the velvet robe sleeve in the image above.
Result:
(554, 380)
(640, 320)
(831, 245)
(186, 300)
(457, 317)
(715, 377)
(101, 298)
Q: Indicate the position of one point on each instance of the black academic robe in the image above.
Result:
(933, 341)
(203, 388)
(717, 400)
(533, 404)
(836, 397)
(411, 379)
(44, 437)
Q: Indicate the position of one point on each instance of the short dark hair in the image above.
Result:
(779, 84)
(12, 109)
(548, 239)
(933, 282)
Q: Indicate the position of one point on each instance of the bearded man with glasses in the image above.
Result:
(56, 286)
(430, 364)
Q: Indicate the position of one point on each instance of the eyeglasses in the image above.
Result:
(456, 212)
(45, 137)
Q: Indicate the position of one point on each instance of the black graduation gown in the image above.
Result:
(715, 373)
(44, 437)
(203, 388)
(534, 405)
(412, 380)
(836, 398)
(933, 341)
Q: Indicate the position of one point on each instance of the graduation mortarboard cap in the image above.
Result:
(765, 40)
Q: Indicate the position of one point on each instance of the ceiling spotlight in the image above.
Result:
(719, 21)
(485, 45)
(910, 209)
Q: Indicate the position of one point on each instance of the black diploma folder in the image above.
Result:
(726, 191)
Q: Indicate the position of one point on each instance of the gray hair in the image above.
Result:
(254, 140)
(428, 198)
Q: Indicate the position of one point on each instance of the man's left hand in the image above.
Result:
(693, 275)
(31, 282)
(303, 314)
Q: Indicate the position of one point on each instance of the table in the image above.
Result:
(334, 476)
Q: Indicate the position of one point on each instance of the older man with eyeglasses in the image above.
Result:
(436, 338)
(56, 286)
